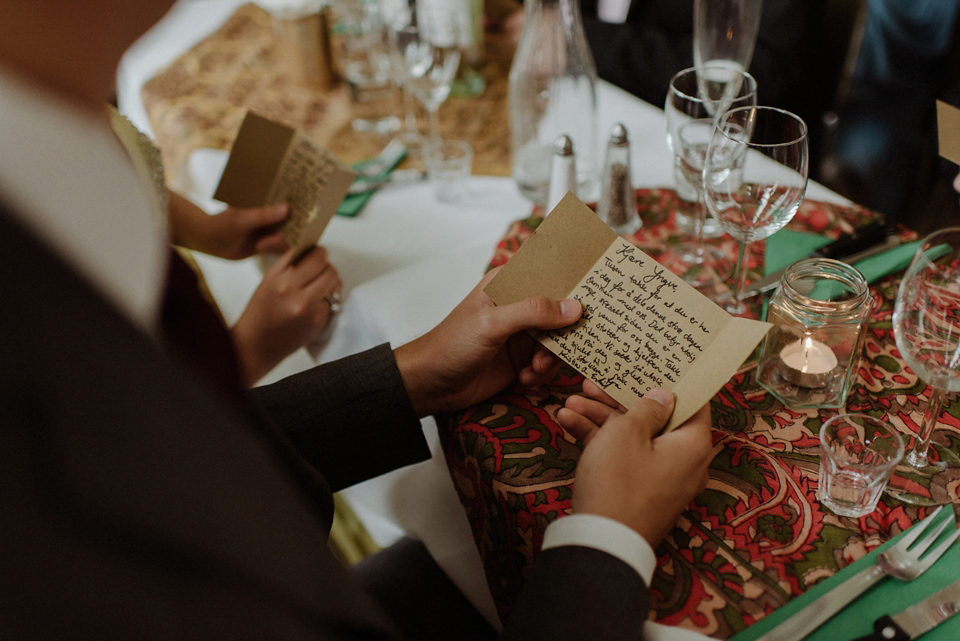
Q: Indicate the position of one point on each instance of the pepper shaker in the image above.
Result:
(618, 200)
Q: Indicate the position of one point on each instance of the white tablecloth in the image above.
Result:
(406, 260)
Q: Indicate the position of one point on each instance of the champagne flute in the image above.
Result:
(725, 34)
(429, 47)
(926, 325)
(691, 109)
(754, 178)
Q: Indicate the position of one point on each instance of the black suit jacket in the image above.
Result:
(656, 41)
(136, 501)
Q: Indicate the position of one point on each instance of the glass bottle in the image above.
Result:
(552, 91)
(618, 200)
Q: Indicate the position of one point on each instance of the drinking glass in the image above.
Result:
(428, 45)
(365, 59)
(399, 33)
(754, 178)
(926, 325)
(857, 456)
(725, 33)
(691, 109)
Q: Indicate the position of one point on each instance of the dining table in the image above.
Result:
(502, 470)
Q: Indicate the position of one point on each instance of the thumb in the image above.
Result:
(653, 410)
(538, 312)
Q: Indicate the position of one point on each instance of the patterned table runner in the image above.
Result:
(757, 536)
(200, 100)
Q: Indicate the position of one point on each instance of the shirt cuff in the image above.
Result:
(606, 535)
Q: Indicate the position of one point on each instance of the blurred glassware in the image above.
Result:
(449, 163)
(365, 61)
(754, 178)
(552, 91)
(724, 35)
(428, 35)
(691, 109)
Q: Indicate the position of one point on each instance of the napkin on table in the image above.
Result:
(889, 596)
(353, 203)
(788, 246)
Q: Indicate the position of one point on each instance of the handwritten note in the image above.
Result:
(272, 163)
(642, 326)
(301, 178)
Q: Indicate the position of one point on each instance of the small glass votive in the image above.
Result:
(449, 163)
(858, 454)
(819, 313)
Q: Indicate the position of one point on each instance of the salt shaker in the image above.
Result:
(618, 200)
(563, 171)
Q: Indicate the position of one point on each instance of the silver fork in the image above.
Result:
(904, 561)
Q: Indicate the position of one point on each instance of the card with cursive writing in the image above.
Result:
(273, 163)
(642, 326)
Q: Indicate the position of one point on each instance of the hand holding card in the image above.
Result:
(642, 326)
(271, 163)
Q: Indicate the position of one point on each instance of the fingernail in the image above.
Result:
(280, 209)
(660, 395)
(570, 308)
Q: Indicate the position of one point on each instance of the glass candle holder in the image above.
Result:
(819, 313)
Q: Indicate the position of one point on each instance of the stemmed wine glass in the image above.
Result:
(926, 325)
(754, 178)
(725, 33)
(691, 108)
(428, 44)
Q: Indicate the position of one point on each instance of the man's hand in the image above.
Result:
(630, 474)
(479, 349)
(287, 311)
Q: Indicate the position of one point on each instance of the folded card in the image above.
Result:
(273, 163)
(642, 326)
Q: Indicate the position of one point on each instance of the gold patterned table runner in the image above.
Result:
(200, 100)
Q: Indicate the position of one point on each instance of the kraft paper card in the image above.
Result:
(642, 326)
(948, 131)
(273, 163)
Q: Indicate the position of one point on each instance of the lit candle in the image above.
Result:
(808, 363)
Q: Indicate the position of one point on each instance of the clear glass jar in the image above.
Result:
(552, 90)
(819, 313)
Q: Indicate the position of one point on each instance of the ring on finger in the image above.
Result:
(335, 302)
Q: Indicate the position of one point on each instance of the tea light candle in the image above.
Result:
(808, 363)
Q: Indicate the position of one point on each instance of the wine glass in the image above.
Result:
(926, 325)
(399, 33)
(754, 178)
(428, 45)
(725, 33)
(691, 109)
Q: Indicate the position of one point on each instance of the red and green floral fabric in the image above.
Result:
(757, 536)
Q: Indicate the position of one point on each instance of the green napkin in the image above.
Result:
(353, 203)
(787, 246)
(888, 262)
(889, 596)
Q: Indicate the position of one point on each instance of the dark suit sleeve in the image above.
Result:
(579, 593)
(351, 419)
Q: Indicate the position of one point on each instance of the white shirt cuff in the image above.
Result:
(606, 535)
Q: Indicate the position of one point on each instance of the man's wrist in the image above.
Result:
(604, 534)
